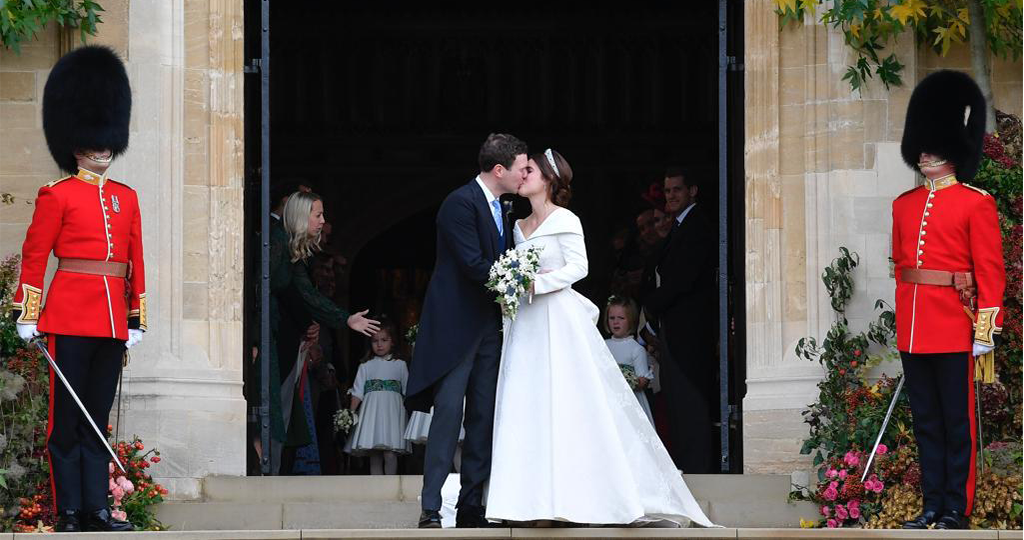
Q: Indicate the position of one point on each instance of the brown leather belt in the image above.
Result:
(963, 282)
(96, 268)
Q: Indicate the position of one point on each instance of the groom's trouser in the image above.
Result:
(474, 379)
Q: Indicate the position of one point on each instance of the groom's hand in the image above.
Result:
(361, 324)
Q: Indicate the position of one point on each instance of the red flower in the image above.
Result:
(155, 459)
(857, 353)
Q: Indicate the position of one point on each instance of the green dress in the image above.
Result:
(290, 283)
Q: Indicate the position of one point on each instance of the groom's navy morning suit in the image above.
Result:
(458, 347)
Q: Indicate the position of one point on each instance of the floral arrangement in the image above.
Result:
(411, 333)
(344, 420)
(132, 494)
(511, 277)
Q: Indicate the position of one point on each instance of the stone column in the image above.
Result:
(183, 389)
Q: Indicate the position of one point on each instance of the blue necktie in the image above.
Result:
(496, 210)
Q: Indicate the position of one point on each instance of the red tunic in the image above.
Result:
(956, 229)
(84, 216)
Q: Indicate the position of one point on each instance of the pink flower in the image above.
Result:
(111, 484)
(119, 514)
(882, 449)
(831, 473)
(830, 494)
(110, 470)
(117, 492)
(832, 524)
(841, 513)
(842, 474)
(851, 459)
(125, 485)
(825, 511)
(854, 512)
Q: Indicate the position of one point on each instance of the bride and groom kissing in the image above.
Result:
(552, 429)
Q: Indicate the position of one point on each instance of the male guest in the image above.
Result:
(679, 298)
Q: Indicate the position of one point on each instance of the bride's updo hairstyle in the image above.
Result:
(558, 176)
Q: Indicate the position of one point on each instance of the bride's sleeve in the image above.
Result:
(575, 252)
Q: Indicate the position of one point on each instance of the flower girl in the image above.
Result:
(620, 321)
(378, 395)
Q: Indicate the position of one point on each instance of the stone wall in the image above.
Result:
(183, 387)
(822, 165)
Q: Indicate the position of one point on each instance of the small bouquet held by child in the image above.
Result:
(512, 276)
(629, 373)
(344, 419)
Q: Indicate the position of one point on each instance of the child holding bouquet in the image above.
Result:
(620, 321)
(378, 395)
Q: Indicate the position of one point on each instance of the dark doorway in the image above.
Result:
(381, 107)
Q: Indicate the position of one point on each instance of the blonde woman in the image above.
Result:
(301, 310)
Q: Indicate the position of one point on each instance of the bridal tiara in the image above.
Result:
(551, 160)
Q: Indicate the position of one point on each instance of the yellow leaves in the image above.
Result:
(784, 5)
(909, 9)
(948, 35)
(855, 30)
(808, 524)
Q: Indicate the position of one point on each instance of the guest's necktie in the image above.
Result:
(496, 211)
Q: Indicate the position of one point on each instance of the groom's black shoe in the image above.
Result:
(472, 517)
(430, 519)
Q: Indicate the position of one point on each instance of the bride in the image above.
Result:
(571, 442)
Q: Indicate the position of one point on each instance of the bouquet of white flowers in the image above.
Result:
(344, 419)
(512, 276)
(629, 373)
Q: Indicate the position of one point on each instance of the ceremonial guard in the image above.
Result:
(950, 277)
(96, 306)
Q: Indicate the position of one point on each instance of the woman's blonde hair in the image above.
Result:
(295, 218)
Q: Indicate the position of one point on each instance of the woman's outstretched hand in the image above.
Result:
(361, 324)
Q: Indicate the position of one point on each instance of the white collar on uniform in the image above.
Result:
(487, 192)
(682, 215)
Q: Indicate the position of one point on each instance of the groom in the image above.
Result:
(459, 343)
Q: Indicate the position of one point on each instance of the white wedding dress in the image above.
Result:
(571, 442)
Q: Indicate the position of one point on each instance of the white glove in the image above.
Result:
(27, 331)
(981, 348)
(134, 337)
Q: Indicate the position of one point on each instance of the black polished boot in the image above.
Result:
(102, 520)
(430, 519)
(953, 520)
(68, 521)
(923, 521)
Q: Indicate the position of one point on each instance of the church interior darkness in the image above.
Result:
(381, 107)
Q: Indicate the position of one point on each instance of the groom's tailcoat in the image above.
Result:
(458, 308)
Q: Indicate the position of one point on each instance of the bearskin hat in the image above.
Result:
(87, 105)
(938, 122)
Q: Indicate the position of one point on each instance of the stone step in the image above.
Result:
(592, 533)
(391, 502)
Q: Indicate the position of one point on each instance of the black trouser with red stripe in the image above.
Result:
(941, 392)
(79, 463)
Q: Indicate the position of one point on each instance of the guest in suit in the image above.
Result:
(679, 298)
(458, 345)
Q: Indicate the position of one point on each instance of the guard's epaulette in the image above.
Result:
(59, 180)
(122, 184)
(979, 190)
(909, 191)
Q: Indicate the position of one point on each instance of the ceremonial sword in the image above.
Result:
(81, 407)
(885, 424)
